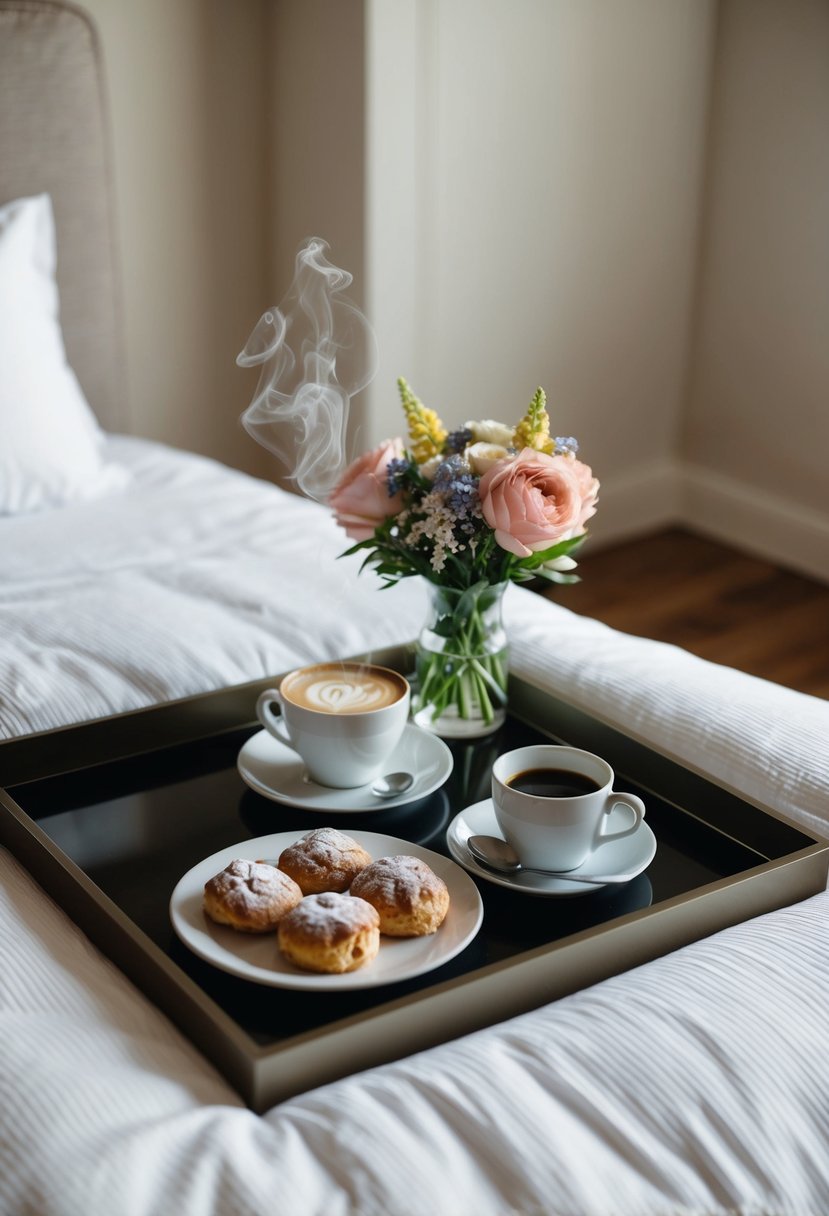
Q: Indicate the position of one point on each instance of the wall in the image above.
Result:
(624, 202)
(315, 150)
(187, 91)
(757, 422)
(535, 171)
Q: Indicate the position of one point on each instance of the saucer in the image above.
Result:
(274, 770)
(628, 855)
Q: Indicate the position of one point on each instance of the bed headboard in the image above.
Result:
(54, 138)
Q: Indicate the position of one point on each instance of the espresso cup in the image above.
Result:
(343, 719)
(553, 804)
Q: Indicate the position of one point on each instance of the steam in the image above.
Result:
(316, 351)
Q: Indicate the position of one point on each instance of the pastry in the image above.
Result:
(251, 896)
(330, 932)
(323, 860)
(410, 898)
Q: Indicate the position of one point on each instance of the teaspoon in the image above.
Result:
(498, 855)
(391, 785)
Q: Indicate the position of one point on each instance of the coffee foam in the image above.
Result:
(335, 690)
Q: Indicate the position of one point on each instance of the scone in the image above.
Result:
(330, 932)
(323, 860)
(410, 898)
(251, 896)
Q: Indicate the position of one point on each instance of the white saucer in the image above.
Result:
(629, 855)
(256, 957)
(275, 771)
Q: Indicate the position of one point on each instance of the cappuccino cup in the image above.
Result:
(343, 719)
(554, 804)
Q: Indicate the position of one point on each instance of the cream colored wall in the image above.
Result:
(316, 148)
(534, 182)
(757, 422)
(187, 90)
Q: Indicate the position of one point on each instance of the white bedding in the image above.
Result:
(193, 578)
(697, 1084)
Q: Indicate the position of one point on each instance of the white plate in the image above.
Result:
(275, 771)
(257, 957)
(629, 855)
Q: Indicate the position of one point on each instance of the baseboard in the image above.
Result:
(635, 503)
(773, 528)
(674, 494)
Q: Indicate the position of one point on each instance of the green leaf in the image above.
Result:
(562, 548)
(557, 576)
(368, 543)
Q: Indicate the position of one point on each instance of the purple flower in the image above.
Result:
(462, 495)
(396, 471)
(456, 441)
(457, 488)
(566, 444)
(448, 470)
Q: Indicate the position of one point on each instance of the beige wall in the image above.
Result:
(187, 91)
(535, 175)
(757, 421)
(315, 151)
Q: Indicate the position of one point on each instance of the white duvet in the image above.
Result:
(696, 1084)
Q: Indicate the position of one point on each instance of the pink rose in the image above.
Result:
(533, 500)
(361, 499)
(589, 489)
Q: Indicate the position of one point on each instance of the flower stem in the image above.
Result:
(462, 656)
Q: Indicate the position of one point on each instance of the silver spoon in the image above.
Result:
(391, 785)
(500, 856)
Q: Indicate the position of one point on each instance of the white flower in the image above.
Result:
(438, 526)
(431, 466)
(482, 456)
(561, 564)
(490, 431)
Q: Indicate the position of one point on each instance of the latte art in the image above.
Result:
(343, 690)
(342, 696)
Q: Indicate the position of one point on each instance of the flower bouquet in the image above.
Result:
(470, 511)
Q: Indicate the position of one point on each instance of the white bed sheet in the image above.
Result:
(195, 577)
(697, 1084)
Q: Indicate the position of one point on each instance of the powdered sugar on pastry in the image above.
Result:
(330, 932)
(250, 896)
(410, 898)
(324, 860)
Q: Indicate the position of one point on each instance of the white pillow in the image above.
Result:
(50, 441)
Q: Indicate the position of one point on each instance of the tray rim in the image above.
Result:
(265, 1073)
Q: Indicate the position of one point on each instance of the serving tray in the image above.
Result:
(109, 815)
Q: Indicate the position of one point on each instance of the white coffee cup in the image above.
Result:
(554, 830)
(343, 719)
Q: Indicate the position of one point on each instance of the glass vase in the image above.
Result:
(462, 663)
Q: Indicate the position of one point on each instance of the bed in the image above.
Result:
(135, 575)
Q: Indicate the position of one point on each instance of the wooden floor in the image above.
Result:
(718, 603)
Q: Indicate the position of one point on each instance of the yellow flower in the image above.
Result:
(533, 431)
(426, 431)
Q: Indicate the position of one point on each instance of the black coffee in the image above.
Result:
(552, 783)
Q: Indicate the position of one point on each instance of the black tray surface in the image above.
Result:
(135, 825)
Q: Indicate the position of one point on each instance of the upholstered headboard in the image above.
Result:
(54, 138)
